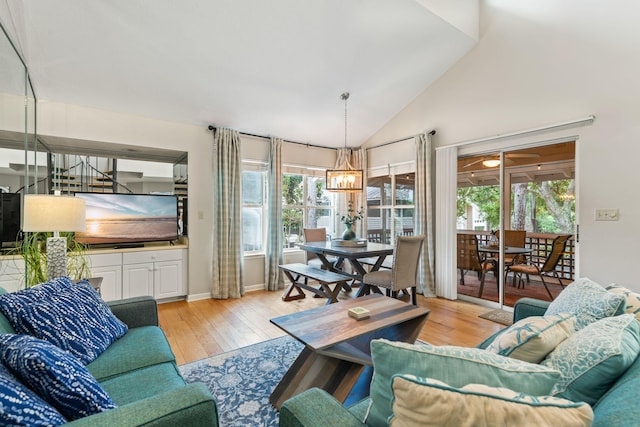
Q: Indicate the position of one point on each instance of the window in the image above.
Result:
(253, 205)
(390, 207)
(305, 204)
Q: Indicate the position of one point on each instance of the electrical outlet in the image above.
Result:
(607, 215)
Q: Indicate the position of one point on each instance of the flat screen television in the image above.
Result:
(9, 219)
(128, 219)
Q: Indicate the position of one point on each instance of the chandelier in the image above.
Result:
(346, 178)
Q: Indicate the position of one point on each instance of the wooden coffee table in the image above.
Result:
(337, 346)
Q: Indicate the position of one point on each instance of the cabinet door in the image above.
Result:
(137, 280)
(111, 287)
(168, 281)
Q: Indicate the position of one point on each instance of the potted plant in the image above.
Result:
(349, 219)
(32, 248)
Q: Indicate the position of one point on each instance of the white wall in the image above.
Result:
(542, 62)
(98, 125)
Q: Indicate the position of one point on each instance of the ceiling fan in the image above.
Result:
(494, 160)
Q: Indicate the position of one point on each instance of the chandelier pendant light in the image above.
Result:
(345, 179)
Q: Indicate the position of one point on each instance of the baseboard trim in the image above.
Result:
(198, 297)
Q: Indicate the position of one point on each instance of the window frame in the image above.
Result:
(252, 166)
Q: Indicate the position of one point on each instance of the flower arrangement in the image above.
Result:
(350, 218)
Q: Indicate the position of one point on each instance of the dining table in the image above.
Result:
(508, 250)
(353, 253)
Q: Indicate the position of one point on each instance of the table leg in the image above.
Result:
(286, 296)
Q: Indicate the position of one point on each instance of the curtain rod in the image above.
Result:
(570, 123)
(212, 128)
(432, 132)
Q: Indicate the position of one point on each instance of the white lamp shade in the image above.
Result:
(44, 212)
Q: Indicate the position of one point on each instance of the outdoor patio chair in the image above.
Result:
(403, 272)
(469, 259)
(514, 238)
(547, 268)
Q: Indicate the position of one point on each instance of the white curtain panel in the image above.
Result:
(272, 274)
(423, 216)
(446, 196)
(227, 232)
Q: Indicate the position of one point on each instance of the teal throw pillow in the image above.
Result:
(588, 301)
(57, 377)
(456, 366)
(532, 338)
(21, 406)
(592, 359)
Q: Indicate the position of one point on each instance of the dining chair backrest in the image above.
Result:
(406, 259)
(468, 255)
(515, 238)
(314, 235)
(557, 250)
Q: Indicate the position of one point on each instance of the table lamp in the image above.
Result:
(46, 213)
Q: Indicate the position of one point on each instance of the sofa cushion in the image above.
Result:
(588, 301)
(143, 383)
(456, 366)
(57, 377)
(592, 359)
(21, 406)
(139, 348)
(632, 299)
(74, 318)
(532, 338)
(424, 401)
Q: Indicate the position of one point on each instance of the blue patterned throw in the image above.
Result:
(20, 406)
(57, 377)
(72, 317)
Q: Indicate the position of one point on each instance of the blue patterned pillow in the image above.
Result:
(633, 298)
(20, 406)
(592, 359)
(55, 375)
(588, 301)
(12, 304)
(75, 319)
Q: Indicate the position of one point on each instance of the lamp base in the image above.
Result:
(56, 257)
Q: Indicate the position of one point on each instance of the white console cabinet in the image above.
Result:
(161, 274)
(109, 267)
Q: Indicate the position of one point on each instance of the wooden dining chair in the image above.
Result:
(547, 268)
(514, 238)
(314, 235)
(403, 272)
(469, 259)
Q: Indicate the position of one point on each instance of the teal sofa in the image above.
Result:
(140, 374)
(617, 408)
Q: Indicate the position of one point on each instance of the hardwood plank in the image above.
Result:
(205, 328)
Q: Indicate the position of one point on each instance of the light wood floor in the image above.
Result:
(200, 329)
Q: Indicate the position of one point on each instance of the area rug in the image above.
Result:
(499, 316)
(242, 380)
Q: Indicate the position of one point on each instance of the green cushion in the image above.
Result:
(419, 399)
(531, 339)
(456, 366)
(592, 359)
(143, 383)
(139, 348)
(588, 301)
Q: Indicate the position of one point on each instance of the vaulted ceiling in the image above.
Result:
(273, 67)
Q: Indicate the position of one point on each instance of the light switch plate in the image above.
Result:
(607, 215)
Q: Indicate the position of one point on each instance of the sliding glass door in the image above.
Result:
(511, 206)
